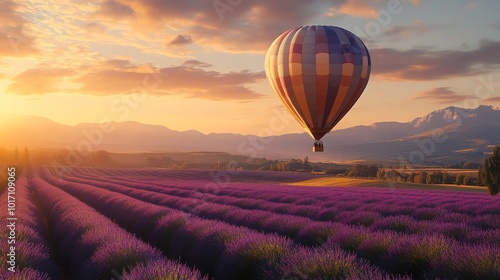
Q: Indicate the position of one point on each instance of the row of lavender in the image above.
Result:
(385, 249)
(290, 219)
(205, 175)
(219, 249)
(250, 195)
(59, 237)
(32, 257)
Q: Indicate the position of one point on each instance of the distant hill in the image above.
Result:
(459, 135)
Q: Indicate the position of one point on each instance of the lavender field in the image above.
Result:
(84, 223)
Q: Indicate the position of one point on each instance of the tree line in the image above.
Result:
(423, 177)
(488, 174)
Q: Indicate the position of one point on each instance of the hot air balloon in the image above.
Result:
(318, 72)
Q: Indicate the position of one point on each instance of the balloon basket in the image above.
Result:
(318, 149)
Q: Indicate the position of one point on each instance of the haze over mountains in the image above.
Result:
(448, 135)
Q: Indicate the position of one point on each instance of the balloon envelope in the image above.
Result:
(318, 72)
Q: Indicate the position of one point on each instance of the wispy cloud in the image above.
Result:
(38, 81)
(471, 5)
(442, 95)
(418, 28)
(363, 8)
(490, 100)
(357, 8)
(119, 76)
(196, 63)
(15, 39)
(180, 40)
(422, 64)
(249, 26)
(114, 10)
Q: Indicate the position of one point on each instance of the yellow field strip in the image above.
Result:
(354, 182)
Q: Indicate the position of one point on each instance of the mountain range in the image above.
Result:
(445, 136)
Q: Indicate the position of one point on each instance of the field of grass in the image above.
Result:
(108, 223)
(356, 182)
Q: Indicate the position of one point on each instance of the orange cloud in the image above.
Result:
(240, 26)
(245, 26)
(358, 8)
(362, 8)
(120, 76)
(14, 40)
(442, 95)
(188, 80)
(38, 81)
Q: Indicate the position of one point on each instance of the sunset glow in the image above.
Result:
(201, 66)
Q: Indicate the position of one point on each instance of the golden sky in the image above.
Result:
(199, 65)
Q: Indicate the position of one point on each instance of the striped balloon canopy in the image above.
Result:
(318, 72)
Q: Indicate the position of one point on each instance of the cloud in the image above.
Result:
(357, 8)
(196, 63)
(239, 26)
(417, 28)
(490, 100)
(236, 26)
(187, 80)
(361, 8)
(442, 95)
(94, 27)
(177, 46)
(119, 76)
(115, 11)
(14, 38)
(38, 81)
(471, 5)
(180, 40)
(424, 64)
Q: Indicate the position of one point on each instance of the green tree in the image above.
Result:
(467, 180)
(219, 165)
(439, 178)
(411, 177)
(421, 178)
(305, 164)
(285, 166)
(381, 174)
(447, 178)
(362, 170)
(294, 165)
(460, 179)
(431, 178)
(489, 172)
(372, 171)
(335, 171)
